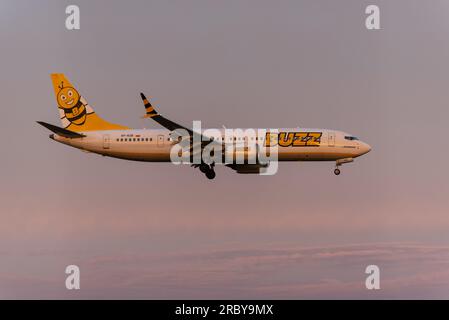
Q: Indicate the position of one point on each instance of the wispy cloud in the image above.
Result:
(407, 271)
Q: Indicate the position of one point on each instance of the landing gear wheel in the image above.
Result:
(210, 174)
(204, 168)
(337, 171)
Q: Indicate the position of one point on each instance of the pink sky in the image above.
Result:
(140, 230)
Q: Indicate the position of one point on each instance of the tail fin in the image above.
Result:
(74, 111)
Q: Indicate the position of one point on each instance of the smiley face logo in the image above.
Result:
(68, 97)
(69, 101)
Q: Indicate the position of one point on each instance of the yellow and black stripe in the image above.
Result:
(150, 112)
(153, 114)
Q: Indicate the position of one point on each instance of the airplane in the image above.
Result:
(84, 129)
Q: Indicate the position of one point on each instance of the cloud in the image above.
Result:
(407, 271)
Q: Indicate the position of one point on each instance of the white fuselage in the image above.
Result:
(154, 145)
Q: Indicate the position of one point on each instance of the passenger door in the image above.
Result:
(331, 138)
(106, 141)
(160, 140)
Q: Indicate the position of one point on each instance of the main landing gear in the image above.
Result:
(208, 170)
(337, 171)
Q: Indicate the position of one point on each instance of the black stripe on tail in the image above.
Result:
(150, 112)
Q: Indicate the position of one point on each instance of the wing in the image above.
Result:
(166, 123)
(172, 126)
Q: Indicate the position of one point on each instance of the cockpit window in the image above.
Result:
(351, 138)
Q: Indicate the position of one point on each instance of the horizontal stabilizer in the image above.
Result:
(61, 131)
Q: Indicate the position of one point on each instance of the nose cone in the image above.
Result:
(364, 148)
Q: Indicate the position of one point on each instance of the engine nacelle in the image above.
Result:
(248, 168)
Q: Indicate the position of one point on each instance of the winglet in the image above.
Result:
(150, 111)
(153, 114)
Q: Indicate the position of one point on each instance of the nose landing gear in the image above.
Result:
(339, 162)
